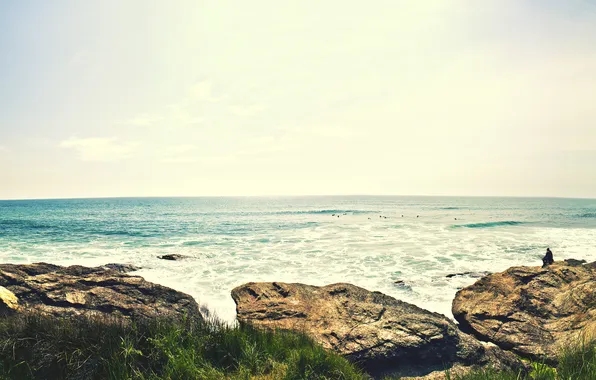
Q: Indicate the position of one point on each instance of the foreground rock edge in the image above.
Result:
(77, 290)
(381, 333)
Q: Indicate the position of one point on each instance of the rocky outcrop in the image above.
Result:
(532, 311)
(385, 335)
(75, 290)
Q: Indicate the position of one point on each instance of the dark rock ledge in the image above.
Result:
(77, 290)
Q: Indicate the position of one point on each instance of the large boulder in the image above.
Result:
(75, 290)
(532, 311)
(381, 333)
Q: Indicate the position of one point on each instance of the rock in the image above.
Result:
(402, 284)
(383, 334)
(532, 311)
(574, 262)
(75, 290)
(174, 256)
(9, 303)
(122, 268)
(469, 274)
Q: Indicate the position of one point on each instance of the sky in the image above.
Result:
(265, 97)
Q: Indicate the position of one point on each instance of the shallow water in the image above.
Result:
(231, 241)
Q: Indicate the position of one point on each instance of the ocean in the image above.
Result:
(401, 246)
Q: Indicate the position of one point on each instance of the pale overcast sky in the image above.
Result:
(164, 98)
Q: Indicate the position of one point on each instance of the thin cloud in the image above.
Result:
(202, 91)
(174, 116)
(265, 145)
(178, 154)
(320, 130)
(100, 149)
(142, 120)
(248, 111)
(178, 115)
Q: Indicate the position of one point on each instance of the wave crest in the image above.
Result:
(587, 215)
(332, 211)
(489, 224)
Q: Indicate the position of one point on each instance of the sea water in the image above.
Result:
(401, 246)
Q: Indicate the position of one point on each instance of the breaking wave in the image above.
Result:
(489, 224)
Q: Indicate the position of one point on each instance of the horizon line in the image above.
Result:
(293, 196)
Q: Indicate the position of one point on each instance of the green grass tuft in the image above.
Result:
(38, 347)
(577, 362)
(33, 346)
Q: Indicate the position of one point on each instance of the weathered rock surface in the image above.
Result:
(384, 334)
(74, 290)
(532, 311)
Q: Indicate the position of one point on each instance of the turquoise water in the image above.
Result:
(231, 241)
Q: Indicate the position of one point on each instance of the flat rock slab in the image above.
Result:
(75, 290)
(385, 335)
(532, 311)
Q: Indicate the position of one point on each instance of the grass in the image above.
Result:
(37, 347)
(575, 363)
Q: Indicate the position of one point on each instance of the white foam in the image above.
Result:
(368, 253)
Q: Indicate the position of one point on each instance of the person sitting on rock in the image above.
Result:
(548, 258)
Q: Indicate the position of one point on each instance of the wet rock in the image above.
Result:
(469, 274)
(174, 257)
(532, 311)
(574, 262)
(122, 268)
(76, 290)
(385, 335)
(402, 284)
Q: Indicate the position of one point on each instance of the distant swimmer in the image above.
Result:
(455, 218)
(548, 258)
(368, 218)
(402, 216)
(332, 214)
(417, 216)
